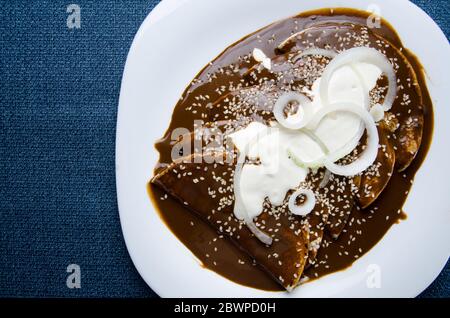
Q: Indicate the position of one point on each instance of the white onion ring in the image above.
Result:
(263, 237)
(304, 110)
(332, 54)
(363, 86)
(306, 164)
(350, 145)
(326, 179)
(361, 55)
(262, 58)
(367, 157)
(314, 163)
(317, 140)
(377, 112)
(306, 207)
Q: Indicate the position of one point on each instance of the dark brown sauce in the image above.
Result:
(374, 222)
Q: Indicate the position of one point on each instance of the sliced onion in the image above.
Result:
(260, 235)
(259, 55)
(363, 86)
(326, 179)
(350, 145)
(315, 51)
(317, 140)
(361, 55)
(332, 54)
(334, 156)
(304, 110)
(377, 112)
(306, 207)
(262, 58)
(367, 157)
(267, 63)
(314, 163)
(263, 237)
(306, 164)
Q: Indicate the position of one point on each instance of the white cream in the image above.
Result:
(337, 130)
(377, 112)
(259, 56)
(277, 173)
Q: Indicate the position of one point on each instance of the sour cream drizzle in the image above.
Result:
(275, 173)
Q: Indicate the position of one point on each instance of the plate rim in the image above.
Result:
(160, 11)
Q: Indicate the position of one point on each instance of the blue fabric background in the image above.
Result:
(59, 93)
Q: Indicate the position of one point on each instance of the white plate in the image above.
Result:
(175, 41)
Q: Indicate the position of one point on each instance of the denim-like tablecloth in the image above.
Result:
(59, 92)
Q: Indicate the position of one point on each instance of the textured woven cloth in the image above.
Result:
(59, 92)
